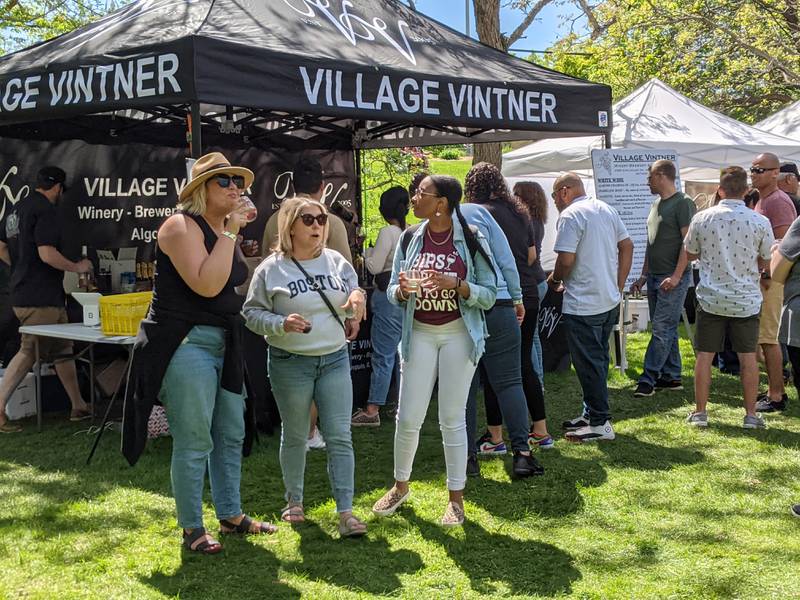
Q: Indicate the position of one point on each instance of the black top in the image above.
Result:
(175, 310)
(538, 236)
(33, 222)
(520, 237)
(171, 292)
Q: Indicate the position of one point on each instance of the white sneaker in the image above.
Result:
(591, 433)
(316, 441)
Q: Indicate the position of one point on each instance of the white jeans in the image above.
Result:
(441, 351)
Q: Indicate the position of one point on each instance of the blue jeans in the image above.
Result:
(207, 426)
(500, 364)
(536, 353)
(587, 338)
(663, 359)
(385, 334)
(296, 380)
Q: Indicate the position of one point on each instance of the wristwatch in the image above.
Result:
(766, 275)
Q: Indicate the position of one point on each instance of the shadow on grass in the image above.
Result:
(629, 452)
(364, 564)
(529, 568)
(555, 494)
(242, 570)
(771, 435)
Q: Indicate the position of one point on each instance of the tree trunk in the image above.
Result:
(487, 22)
(489, 152)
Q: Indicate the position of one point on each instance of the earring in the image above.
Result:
(438, 214)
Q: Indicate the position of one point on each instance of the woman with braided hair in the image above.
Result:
(443, 333)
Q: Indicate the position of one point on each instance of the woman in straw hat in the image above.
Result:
(188, 354)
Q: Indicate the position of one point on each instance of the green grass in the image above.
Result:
(664, 511)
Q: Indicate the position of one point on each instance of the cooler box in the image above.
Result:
(638, 315)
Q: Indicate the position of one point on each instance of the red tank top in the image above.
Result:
(438, 254)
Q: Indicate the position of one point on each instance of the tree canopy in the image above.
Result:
(740, 57)
(25, 22)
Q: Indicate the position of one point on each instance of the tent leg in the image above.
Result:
(197, 142)
(607, 139)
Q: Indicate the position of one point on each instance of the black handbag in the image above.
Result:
(382, 280)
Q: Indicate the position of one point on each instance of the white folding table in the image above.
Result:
(76, 332)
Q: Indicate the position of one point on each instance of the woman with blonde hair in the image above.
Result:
(188, 353)
(304, 298)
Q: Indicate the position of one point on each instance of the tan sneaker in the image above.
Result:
(390, 502)
(453, 515)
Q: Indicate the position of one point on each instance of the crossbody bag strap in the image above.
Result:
(314, 285)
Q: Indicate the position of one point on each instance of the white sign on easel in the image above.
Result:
(620, 179)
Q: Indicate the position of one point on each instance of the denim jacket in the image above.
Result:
(480, 278)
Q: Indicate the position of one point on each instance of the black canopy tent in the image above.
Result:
(287, 73)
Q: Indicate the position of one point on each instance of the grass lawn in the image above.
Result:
(664, 511)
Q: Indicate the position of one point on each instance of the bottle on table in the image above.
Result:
(86, 280)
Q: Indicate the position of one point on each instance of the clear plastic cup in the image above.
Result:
(252, 212)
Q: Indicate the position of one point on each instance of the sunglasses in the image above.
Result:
(224, 181)
(760, 170)
(308, 220)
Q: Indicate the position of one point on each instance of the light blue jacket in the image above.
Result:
(508, 286)
(480, 278)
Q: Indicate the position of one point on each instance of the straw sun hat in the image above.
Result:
(209, 165)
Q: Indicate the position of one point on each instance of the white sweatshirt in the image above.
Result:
(279, 289)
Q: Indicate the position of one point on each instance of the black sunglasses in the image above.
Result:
(308, 220)
(760, 170)
(224, 181)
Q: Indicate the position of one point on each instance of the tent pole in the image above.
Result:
(607, 139)
(197, 142)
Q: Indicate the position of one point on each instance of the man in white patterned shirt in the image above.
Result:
(732, 244)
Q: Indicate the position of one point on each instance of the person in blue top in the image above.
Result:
(500, 364)
(443, 333)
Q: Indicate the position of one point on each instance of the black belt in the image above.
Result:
(504, 302)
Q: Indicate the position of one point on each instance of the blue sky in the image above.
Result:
(549, 26)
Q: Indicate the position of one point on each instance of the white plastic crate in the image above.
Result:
(22, 403)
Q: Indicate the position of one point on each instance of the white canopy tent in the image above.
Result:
(652, 117)
(785, 122)
(655, 116)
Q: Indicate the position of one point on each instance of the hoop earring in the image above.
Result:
(438, 214)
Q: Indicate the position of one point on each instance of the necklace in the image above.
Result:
(442, 243)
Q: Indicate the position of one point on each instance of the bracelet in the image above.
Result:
(401, 296)
(556, 281)
(458, 283)
(230, 235)
(517, 302)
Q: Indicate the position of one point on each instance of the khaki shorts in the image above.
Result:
(711, 331)
(49, 348)
(770, 313)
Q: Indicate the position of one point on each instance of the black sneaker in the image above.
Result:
(576, 423)
(473, 467)
(795, 510)
(668, 384)
(765, 405)
(643, 390)
(526, 466)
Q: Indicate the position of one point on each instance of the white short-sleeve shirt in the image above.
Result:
(590, 229)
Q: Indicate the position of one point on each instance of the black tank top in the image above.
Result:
(171, 292)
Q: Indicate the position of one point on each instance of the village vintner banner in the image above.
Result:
(119, 195)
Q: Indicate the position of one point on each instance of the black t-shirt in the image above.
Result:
(538, 236)
(520, 235)
(33, 222)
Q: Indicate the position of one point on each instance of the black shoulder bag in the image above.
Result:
(314, 285)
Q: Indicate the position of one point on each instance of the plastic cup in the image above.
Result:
(252, 212)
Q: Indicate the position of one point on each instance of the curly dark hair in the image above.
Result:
(532, 194)
(485, 183)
